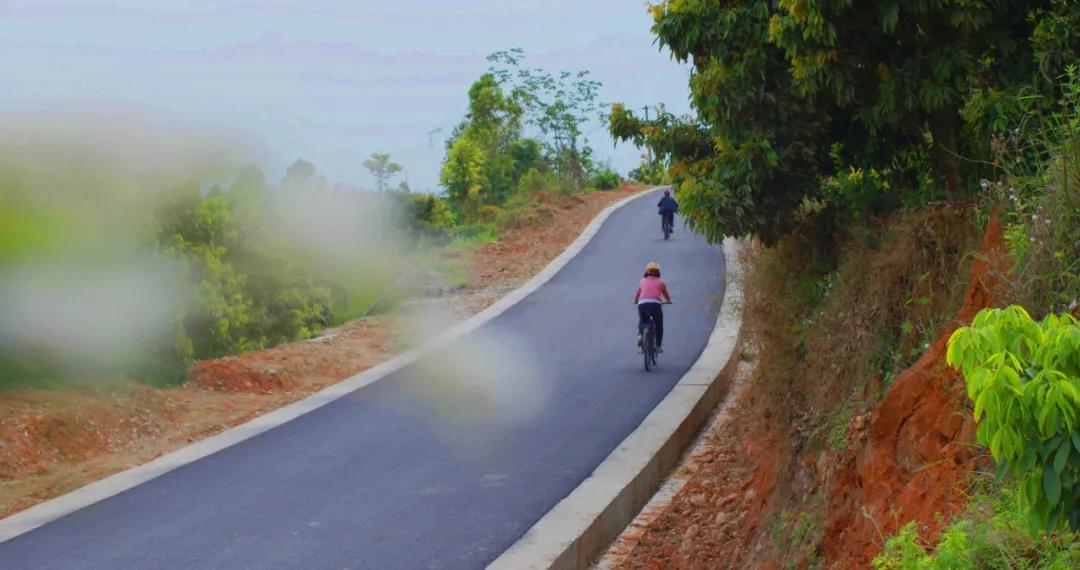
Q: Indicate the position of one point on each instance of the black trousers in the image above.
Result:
(654, 311)
(667, 217)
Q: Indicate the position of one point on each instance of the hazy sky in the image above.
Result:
(328, 81)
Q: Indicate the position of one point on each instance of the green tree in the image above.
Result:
(527, 154)
(382, 170)
(754, 150)
(903, 70)
(789, 94)
(559, 105)
(430, 218)
(463, 175)
(300, 173)
(493, 126)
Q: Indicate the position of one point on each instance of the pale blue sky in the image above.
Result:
(327, 81)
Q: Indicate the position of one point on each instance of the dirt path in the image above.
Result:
(52, 442)
(699, 517)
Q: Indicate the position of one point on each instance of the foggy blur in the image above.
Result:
(126, 249)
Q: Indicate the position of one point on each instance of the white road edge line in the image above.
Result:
(36, 516)
(580, 527)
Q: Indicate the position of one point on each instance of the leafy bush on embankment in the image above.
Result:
(1018, 520)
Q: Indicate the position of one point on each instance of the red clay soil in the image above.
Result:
(530, 249)
(712, 520)
(920, 449)
(55, 441)
(236, 375)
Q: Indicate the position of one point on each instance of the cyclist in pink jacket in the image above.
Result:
(649, 298)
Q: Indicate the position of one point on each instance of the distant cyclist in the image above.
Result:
(651, 293)
(668, 206)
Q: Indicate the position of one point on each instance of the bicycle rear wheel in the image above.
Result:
(648, 347)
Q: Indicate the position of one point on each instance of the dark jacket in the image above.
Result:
(668, 204)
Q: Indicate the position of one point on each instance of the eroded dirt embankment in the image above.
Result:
(55, 441)
(914, 461)
(816, 467)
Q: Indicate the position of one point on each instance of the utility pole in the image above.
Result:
(648, 151)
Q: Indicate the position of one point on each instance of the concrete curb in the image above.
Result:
(578, 529)
(25, 521)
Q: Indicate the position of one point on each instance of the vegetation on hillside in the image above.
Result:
(524, 132)
(895, 102)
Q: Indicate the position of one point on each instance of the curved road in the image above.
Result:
(442, 464)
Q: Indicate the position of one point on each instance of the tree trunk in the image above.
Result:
(946, 164)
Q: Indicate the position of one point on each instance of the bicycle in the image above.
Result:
(648, 343)
(668, 220)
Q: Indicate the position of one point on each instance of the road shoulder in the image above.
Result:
(581, 526)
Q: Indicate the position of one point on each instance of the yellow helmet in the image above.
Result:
(653, 268)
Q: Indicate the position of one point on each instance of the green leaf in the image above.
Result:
(1031, 490)
(1029, 458)
(1052, 486)
(1054, 520)
(995, 445)
(1070, 390)
(1062, 455)
(980, 405)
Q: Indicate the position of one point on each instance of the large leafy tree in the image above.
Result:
(789, 93)
(487, 139)
(902, 70)
(560, 106)
(752, 154)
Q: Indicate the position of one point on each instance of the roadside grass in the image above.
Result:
(990, 534)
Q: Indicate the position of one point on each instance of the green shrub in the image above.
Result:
(523, 210)
(903, 551)
(1041, 197)
(429, 218)
(990, 534)
(534, 181)
(649, 172)
(605, 180)
(1024, 378)
(477, 233)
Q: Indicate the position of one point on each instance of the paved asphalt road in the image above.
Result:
(443, 464)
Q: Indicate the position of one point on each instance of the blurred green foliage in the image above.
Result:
(246, 272)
